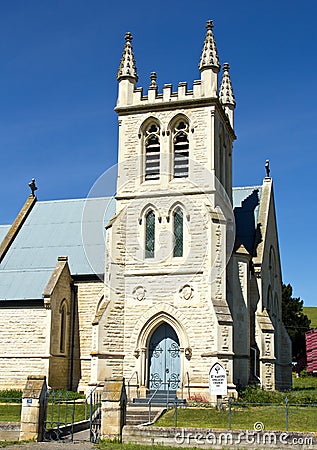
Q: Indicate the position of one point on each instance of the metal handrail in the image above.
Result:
(101, 383)
(186, 375)
(155, 392)
(137, 383)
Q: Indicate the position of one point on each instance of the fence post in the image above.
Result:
(33, 412)
(286, 413)
(113, 408)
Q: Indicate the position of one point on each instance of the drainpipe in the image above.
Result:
(72, 336)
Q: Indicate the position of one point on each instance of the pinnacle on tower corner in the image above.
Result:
(127, 68)
(209, 58)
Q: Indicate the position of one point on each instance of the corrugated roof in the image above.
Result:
(246, 201)
(73, 228)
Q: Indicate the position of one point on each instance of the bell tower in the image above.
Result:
(168, 245)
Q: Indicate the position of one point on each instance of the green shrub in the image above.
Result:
(255, 394)
(10, 395)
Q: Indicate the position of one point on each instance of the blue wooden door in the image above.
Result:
(164, 359)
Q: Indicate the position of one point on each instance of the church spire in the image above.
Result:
(226, 95)
(209, 58)
(209, 65)
(127, 68)
(127, 73)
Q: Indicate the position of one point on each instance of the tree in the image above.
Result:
(295, 321)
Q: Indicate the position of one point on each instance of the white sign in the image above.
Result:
(217, 380)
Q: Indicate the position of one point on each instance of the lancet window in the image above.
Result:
(62, 337)
(150, 234)
(178, 232)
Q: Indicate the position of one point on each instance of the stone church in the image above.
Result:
(177, 272)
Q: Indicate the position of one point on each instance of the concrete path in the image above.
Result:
(81, 442)
(76, 445)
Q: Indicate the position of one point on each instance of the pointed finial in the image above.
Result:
(128, 36)
(33, 186)
(127, 68)
(209, 58)
(153, 84)
(226, 95)
(209, 25)
(267, 168)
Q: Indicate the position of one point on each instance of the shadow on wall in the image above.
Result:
(245, 216)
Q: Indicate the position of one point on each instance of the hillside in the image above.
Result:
(311, 312)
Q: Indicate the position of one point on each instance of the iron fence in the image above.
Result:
(258, 416)
(62, 412)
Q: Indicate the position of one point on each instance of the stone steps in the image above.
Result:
(159, 398)
(137, 414)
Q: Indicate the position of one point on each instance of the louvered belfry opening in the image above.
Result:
(181, 150)
(152, 153)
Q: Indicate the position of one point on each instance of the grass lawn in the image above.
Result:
(311, 312)
(304, 383)
(66, 413)
(273, 418)
(10, 412)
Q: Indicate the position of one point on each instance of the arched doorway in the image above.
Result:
(164, 359)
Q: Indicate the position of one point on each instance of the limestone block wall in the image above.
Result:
(24, 344)
(240, 310)
(89, 294)
(180, 291)
(58, 301)
(270, 286)
(206, 135)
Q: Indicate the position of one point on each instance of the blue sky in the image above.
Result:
(58, 64)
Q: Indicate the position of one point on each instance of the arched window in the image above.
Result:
(150, 234)
(181, 149)
(178, 232)
(152, 152)
(62, 336)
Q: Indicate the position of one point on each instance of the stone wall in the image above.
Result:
(24, 344)
(217, 439)
(89, 295)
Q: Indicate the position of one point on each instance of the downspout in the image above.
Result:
(74, 290)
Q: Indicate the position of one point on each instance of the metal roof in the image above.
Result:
(246, 202)
(73, 228)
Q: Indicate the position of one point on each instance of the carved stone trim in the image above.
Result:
(139, 293)
(186, 292)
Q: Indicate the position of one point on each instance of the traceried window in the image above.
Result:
(152, 152)
(150, 234)
(181, 150)
(178, 233)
